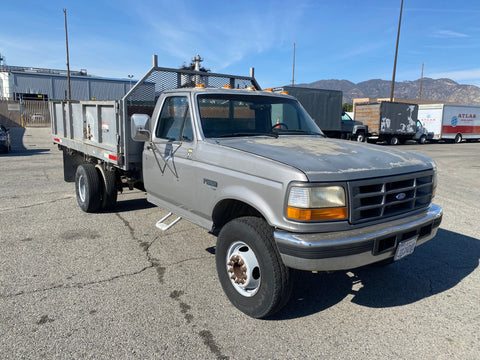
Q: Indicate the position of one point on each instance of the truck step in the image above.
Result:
(162, 226)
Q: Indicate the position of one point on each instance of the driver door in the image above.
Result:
(167, 166)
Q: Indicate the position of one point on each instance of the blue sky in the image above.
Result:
(350, 39)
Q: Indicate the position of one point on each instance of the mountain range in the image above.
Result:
(438, 90)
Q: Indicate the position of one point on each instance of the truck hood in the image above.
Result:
(323, 159)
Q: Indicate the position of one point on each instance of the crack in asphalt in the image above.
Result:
(75, 285)
(205, 334)
(37, 204)
(145, 245)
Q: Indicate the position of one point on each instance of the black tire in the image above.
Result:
(88, 187)
(394, 140)
(246, 248)
(360, 137)
(109, 190)
(422, 140)
(458, 138)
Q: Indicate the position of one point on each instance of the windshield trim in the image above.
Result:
(306, 124)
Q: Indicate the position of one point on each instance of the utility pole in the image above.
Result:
(396, 52)
(421, 83)
(68, 62)
(293, 72)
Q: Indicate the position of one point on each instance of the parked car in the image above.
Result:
(37, 118)
(5, 144)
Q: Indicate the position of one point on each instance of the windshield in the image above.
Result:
(229, 115)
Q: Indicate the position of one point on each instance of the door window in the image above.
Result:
(175, 123)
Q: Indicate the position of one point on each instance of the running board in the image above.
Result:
(165, 227)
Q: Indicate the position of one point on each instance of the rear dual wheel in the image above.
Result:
(95, 188)
(394, 140)
(109, 188)
(250, 268)
(88, 188)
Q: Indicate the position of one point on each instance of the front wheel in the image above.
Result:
(361, 137)
(250, 269)
(422, 140)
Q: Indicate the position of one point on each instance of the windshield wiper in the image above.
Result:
(240, 134)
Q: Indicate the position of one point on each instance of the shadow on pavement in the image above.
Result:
(435, 267)
(17, 135)
(132, 205)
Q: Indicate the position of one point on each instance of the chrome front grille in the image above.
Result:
(374, 199)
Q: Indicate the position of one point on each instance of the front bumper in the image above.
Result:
(350, 249)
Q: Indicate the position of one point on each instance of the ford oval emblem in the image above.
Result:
(400, 196)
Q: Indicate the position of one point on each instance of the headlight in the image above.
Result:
(317, 203)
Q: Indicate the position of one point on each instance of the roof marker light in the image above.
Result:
(227, 86)
(200, 85)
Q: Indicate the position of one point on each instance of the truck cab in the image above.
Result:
(422, 134)
(254, 168)
(352, 129)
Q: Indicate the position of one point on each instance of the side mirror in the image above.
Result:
(139, 124)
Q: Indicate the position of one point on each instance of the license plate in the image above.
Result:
(405, 248)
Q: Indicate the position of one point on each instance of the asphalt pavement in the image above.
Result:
(112, 286)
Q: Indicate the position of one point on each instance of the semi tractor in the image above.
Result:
(251, 167)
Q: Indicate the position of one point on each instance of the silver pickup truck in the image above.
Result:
(253, 168)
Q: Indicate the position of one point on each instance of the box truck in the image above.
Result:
(451, 122)
(325, 108)
(392, 122)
